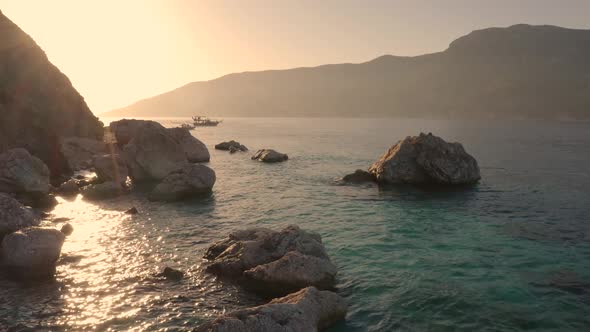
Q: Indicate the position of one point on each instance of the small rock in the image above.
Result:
(60, 220)
(67, 229)
(69, 188)
(80, 177)
(359, 176)
(228, 146)
(133, 210)
(269, 156)
(171, 274)
(103, 191)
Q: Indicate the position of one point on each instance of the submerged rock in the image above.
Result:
(110, 167)
(269, 156)
(307, 310)
(69, 188)
(171, 274)
(195, 150)
(33, 251)
(153, 153)
(273, 262)
(79, 151)
(426, 159)
(231, 145)
(22, 173)
(14, 216)
(359, 176)
(190, 180)
(102, 191)
(133, 210)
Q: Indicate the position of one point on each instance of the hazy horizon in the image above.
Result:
(172, 43)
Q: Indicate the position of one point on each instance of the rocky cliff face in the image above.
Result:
(38, 104)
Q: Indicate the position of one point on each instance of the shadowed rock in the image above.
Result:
(124, 130)
(190, 180)
(307, 310)
(231, 145)
(426, 159)
(67, 229)
(133, 210)
(14, 216)
(195, 150)
(69, 188)
(102, 191)
(273, 262)
(32, 252)
(171, 274)
(269, 156)
(79, 151)
(20, 172)
(359, 176)
(110, 167)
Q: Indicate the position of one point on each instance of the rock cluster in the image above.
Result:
(269, 156)
(307, 310)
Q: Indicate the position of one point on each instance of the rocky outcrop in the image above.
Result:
(426, 159)
(102, 191)
(190, 180)
(14, 216)
(231, 145)
(124, 130)
(269, 156)
(359, 176)
(32, 252)
(38, 105)
(153, 153)
(110, 167)
(195, 150)
(22, 173)
(273, 262)
(307, 310)
(79, 151)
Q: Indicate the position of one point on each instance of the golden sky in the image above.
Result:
(119, 51)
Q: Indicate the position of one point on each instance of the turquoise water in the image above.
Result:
(511, 254)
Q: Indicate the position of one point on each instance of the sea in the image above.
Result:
(510, 254)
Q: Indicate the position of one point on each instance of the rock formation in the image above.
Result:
(231, 145)
(426, 159)
(14, 216)
(190, 180)
(195, 150)
(102, 191)
(22, 173)
(359, 176)
(79, 152)
(38, 105)
(269, 156)
(110, 167)
(307, 310)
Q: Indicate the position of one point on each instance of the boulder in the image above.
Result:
(190, 180)
(14, 216)
(124, 130)
(102, 191)
(79, 151)
(171, 274)
(38, 104)
(110, 167)
(32, 251)
(69, 188)
(20, 172)
(153, 153)
(273, 262)
(195, 150)
(359, 176)
(269, 156)
(67, 229)
(426, 159)
(308, 310)
(231, 145)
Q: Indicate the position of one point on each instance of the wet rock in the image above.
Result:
(426, 159)
(22, 173)
(359, 176)
(67, 229)
(14, 216)
(195, 150)
(269, 156)
(190, 180)
(69, 188)
(102, 191)
(153, 153)
(79, 151)
(32, 252)
(307, 310)
(273, 262)
(231, 146)
(110, 167)
(133, 210)
(171, 274)
(44, 202)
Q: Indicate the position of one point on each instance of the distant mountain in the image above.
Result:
(38, 104)
(522, 71)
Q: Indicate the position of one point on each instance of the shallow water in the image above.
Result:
(511, 254)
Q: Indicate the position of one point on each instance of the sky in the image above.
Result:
(116, 52)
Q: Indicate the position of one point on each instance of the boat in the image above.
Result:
(203, 121)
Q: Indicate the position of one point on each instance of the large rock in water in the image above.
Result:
(124, 130)
(22, 173)
(308, 310)
(269, 156)
(79, 151)
(102, 191)
(153, 153)
(228, 146)
(190, 180)
(32, 252)
(195, 150)
(38, 104)
(426, 159)
(273, 262)
(110, 167)
(14, 216)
